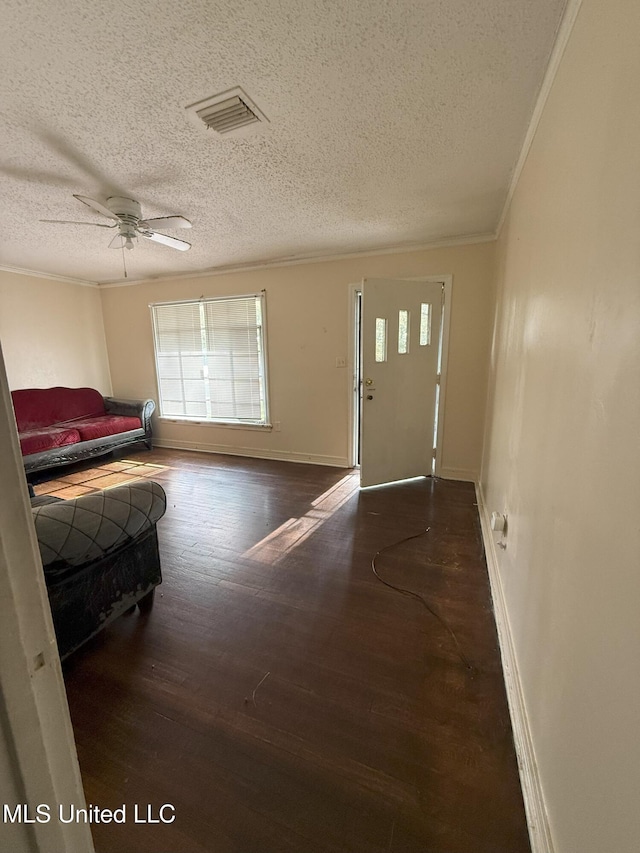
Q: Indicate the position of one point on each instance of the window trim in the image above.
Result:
(221, 422)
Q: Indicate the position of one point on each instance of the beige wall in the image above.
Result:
(308, 327)
(562, 454)
(52, 333)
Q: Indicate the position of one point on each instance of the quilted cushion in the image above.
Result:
(75, 532)
(106, 425)
(36, 440)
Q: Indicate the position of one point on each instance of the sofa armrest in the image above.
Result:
(142, 409)
(73, 533)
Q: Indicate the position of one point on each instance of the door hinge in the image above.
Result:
(434, 452)
(438, 377)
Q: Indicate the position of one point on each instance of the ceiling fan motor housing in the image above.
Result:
(126, 209)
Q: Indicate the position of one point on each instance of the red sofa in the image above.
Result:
(57, 426)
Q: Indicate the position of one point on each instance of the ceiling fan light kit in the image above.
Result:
(123, 241)
(126, 214)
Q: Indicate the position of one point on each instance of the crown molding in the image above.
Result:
(563, 34)
(469, 239)
(63, 278)
(403, 248)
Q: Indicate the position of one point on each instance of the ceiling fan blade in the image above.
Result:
(165, 222)
(166, 240)
(95, 205)
(40, 176)
(73, 222)
(64, 148)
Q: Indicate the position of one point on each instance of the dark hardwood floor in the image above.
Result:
(279, 696)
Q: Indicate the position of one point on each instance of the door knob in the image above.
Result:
(369, 396)
(368, 381)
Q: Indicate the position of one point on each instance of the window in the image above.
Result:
(425, 324)
(381, 339)
(403, 332)
(210, 359)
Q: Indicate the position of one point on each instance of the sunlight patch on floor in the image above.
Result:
(98, 478)
(295, 531)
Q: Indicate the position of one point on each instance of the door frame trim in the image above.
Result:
(447, 282)
(353, 390)
(36, 737)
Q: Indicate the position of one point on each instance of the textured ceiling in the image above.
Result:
(389, 124)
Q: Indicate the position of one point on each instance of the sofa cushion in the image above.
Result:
(90, 428)
(37, 440)
(37, 407)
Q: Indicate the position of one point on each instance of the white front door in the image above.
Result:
(401, 327)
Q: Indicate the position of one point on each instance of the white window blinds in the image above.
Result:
(210, 359)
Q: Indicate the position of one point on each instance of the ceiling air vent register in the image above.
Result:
(231, 113)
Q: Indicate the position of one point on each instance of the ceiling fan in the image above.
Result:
(126, 214)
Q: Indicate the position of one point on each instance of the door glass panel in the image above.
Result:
(403, 332)
(425, 324)
(381, 339)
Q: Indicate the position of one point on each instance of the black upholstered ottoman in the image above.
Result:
(100, 557)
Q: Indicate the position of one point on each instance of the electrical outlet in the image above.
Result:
(276, 426)
(341, 362)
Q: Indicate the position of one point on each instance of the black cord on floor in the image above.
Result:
(416, 595)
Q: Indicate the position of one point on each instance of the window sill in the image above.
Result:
(224, 424)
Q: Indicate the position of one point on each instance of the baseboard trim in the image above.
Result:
(254, 452)
(458, 474)
(537, 818)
